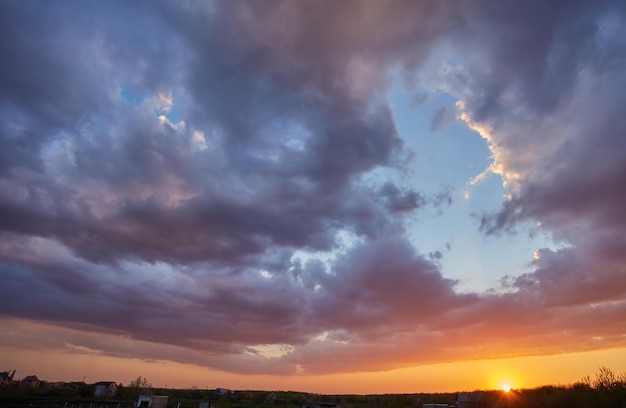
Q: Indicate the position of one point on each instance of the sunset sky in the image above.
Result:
(329, 196)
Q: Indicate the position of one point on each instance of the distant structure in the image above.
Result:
(469, 400)
(105, 389)
(152, 401)
(31, 381)
(207, 404)
(321, 405)
(6, 379)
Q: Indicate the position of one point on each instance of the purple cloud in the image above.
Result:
(194, 182)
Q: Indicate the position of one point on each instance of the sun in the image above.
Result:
(505, 387)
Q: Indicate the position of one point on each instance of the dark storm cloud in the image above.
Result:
(188, 180)
(271, 143)
(376, 287)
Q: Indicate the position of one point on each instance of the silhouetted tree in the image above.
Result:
(136, 387)
(140, 382)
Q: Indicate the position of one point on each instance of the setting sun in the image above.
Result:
(505, 387)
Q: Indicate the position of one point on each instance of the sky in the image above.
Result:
(325, 196)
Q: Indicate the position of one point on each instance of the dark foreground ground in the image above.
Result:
(580, 395)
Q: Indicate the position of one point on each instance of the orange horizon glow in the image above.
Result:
(518, 373)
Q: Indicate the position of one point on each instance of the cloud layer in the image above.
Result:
(196, 182)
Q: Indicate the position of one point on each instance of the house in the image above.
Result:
(31, 381)
(152, 401)
(321, 405)
(105, 389)
(469, 400)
